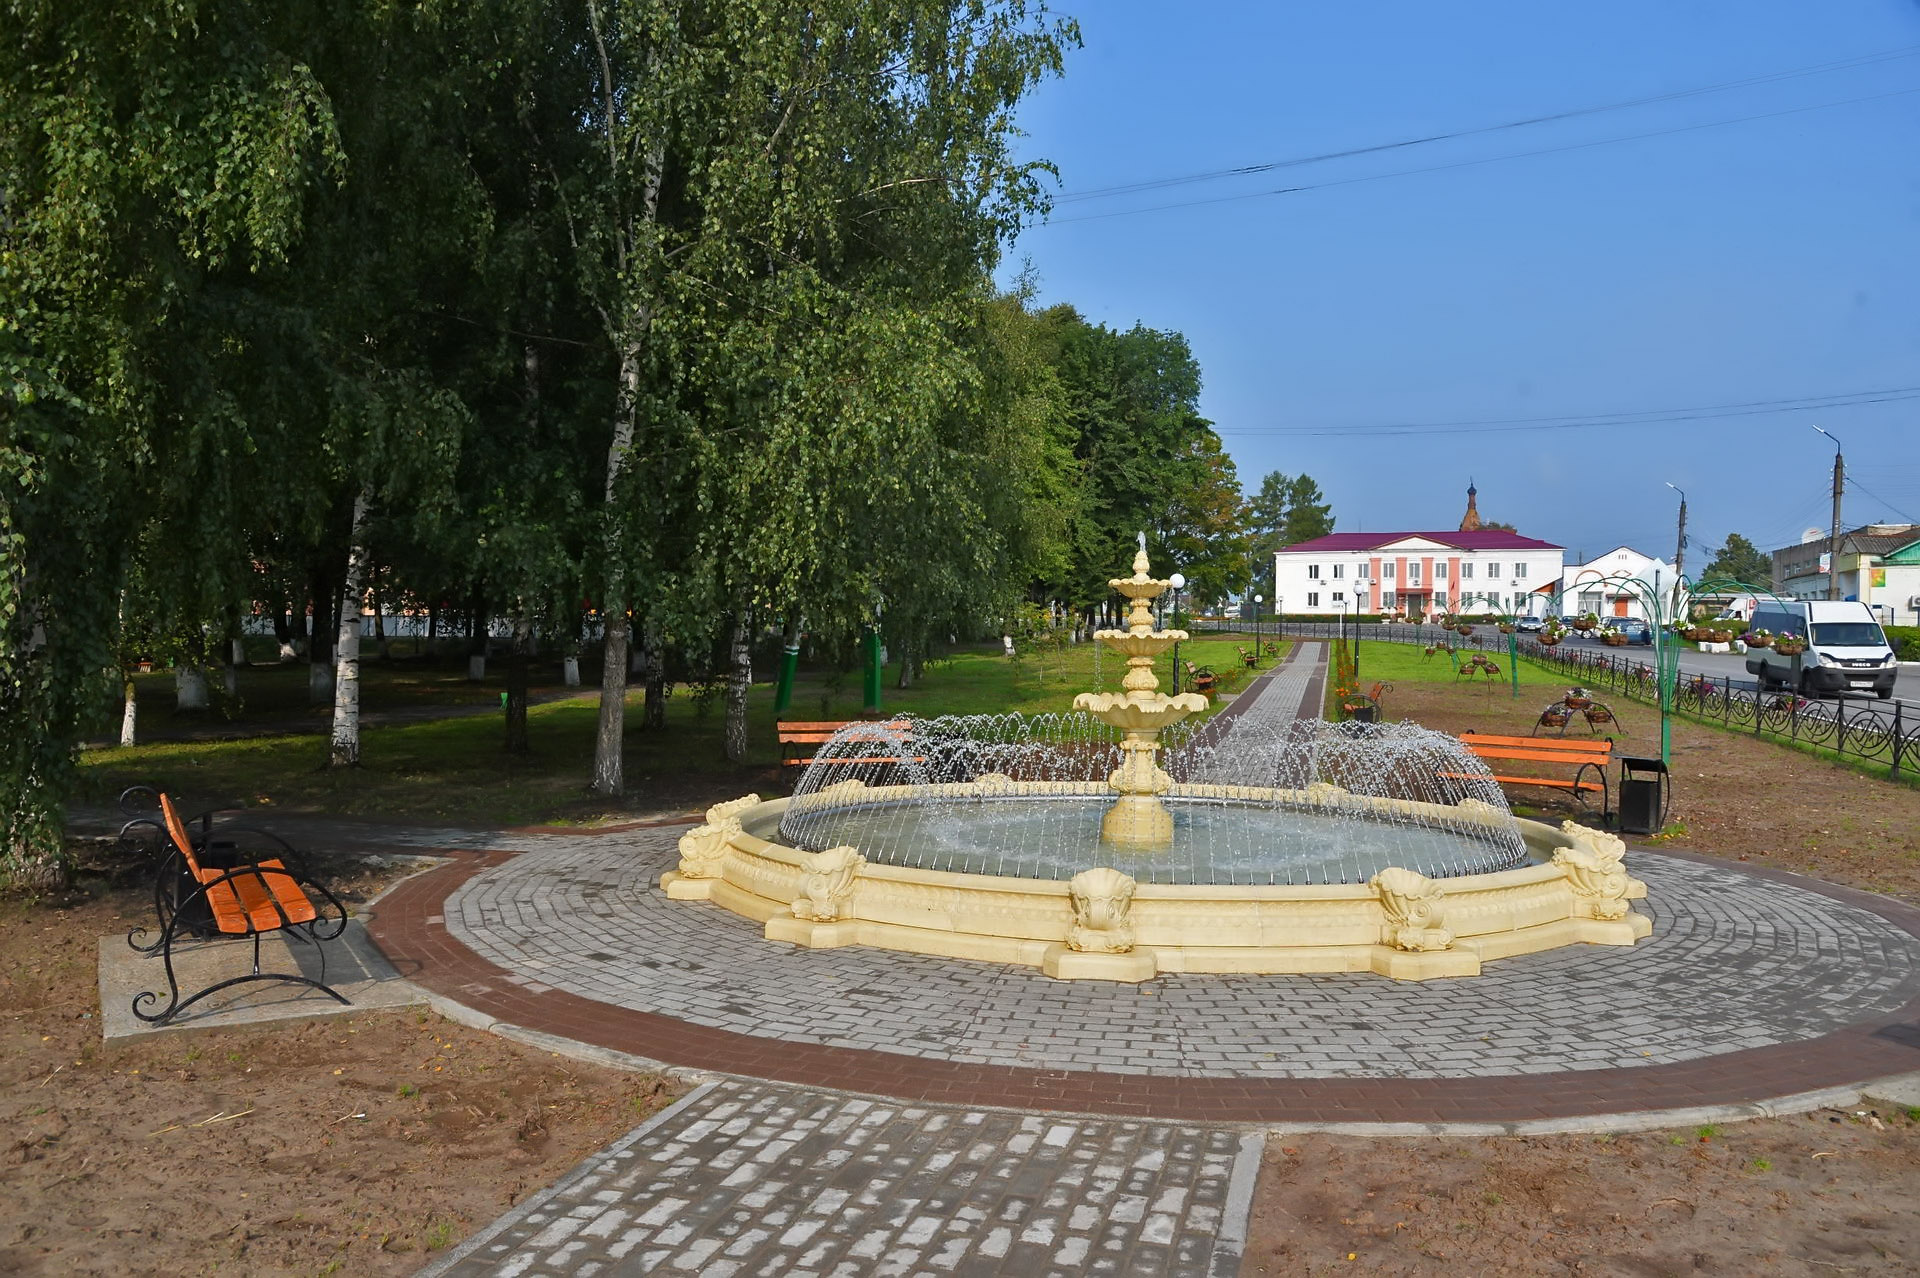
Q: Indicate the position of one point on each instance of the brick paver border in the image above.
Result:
(408, 925)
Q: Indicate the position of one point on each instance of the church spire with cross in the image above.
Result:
(1470, 522)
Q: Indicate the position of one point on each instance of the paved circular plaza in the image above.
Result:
(1751, 987)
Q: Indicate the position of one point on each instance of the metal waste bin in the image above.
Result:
(1644, 791)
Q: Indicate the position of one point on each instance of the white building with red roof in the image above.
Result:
(1470, 569)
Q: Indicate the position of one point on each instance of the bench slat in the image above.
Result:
(1536, 743)
(1555, 783)
(1546, 757)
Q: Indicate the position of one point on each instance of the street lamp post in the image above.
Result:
(1680, 541)
(1257, 601)
(1178, 582)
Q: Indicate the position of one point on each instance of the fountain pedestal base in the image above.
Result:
(1137, 821)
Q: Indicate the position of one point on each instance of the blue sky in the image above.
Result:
(1765, 260)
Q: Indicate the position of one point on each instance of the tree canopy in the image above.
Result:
(660, 318)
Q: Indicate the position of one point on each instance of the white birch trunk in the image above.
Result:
(130, 714)
(345, 751)
(570, 672)
(739, 684)
(190, 688)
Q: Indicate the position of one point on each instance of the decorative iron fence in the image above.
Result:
(1870, 735)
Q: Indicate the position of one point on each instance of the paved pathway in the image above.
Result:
(749, 1178)
(1735, 962)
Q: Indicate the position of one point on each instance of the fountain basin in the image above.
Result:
(1104, 923)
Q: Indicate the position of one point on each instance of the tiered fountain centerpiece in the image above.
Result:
(1111, 844)
(1138, 819)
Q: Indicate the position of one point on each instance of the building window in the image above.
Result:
(1313, 599)
(1520, 571)
(1386, 599)
(1339, 570)
(1440, 572)
(1413, 574)
(1493, 570)
(1466, 572)
(1313, 572)
(1590, 601)
(1360, 571)
(1339, 598)
(1387, 569)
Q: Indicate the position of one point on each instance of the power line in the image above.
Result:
(1862, 489)
(1491, 159)
(1246, 170)
(1580, 421)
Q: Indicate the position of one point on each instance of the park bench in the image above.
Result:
(1251, 660)
(1581, 755)
(1201, 679)
(816, 733)
(210, 885)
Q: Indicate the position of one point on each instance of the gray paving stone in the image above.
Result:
(750, 1178)
(1734, 962)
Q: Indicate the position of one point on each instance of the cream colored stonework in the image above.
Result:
(1101, 899)
(1106, 926)
(1412, 905)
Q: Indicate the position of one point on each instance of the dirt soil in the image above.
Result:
(1822, 1194)
(1733, 795)
(355, 1144)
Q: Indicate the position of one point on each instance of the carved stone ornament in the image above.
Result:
(1481, 810)
(1102, 899)
(1412, 905)
(704, 848)
(828, 886)
(1596, 870)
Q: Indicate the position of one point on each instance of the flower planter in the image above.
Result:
(1614, 641)
(1787, 648)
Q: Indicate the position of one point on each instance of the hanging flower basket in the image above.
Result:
(1586, 621)
(1719, 636)
(1464, 630)
(1550, 638)
(1506, 627)
(1759, 638)
(1614, 639)
(1789, 645)
(1578, 698)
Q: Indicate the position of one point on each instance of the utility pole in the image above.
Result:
(1833, 538)
(1680, 542)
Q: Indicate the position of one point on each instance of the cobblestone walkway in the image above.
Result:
(1735, 962)
(748, 1178)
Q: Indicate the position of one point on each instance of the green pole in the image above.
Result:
(783, 686)
(873, 671)
(1513, 661)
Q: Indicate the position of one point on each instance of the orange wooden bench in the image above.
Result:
(256, 895)
(817, 734)
(1582, 755)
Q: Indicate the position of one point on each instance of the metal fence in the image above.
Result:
(1868, 734)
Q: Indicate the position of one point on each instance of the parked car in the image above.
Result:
(1528, 625)
(1636, 630)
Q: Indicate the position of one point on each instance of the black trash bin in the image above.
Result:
(1644, 791)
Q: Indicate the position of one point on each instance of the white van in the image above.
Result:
(1846, 649)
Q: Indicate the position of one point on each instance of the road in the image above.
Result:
(1733, 666)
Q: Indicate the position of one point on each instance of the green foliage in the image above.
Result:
(1740, 560)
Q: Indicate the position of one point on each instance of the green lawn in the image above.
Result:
(458, 770)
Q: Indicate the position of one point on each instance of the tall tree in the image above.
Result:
(1309, 514)
(1741, 560)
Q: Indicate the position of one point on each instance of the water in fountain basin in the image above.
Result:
(1279, 837)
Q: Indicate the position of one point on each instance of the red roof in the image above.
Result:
(1480, 539)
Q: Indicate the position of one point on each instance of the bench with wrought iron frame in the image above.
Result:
(266, 889)
(1583, 756)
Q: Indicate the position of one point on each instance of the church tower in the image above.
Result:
(1470, 522)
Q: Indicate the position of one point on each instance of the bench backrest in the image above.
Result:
(177, 831)
(1492, 747)
(802, 732)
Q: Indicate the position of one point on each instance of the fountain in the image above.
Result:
(1138, 819)
(1118, 842)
